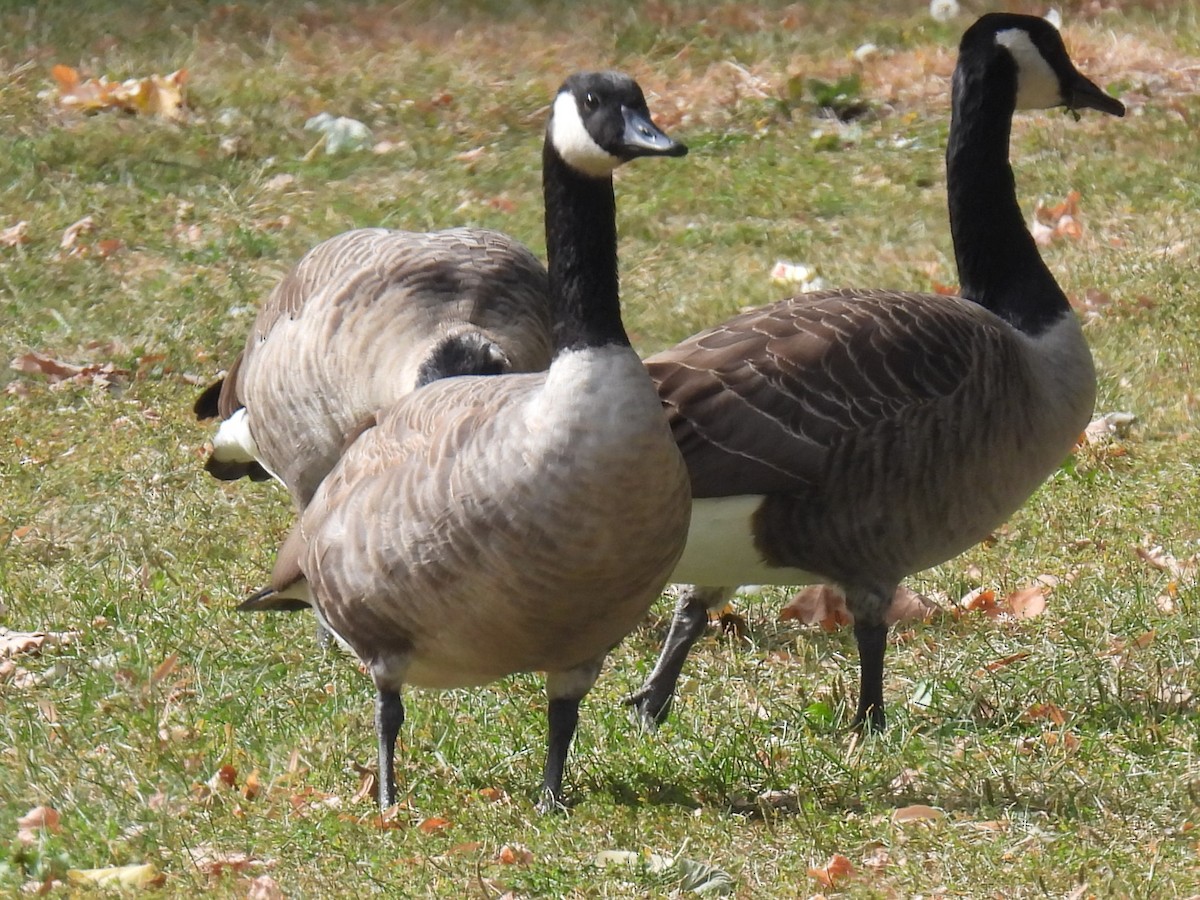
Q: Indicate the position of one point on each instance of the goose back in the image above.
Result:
(350, 328)
(863, 420)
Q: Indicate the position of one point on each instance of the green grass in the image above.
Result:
(109, 526)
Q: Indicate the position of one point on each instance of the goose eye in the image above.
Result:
(590, 100)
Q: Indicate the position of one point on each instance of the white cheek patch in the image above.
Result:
(1037, 85)
(574, 144)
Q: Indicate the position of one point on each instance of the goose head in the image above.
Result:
(599, 120)
(1029, 52)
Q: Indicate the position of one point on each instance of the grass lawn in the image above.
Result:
(1061, 752)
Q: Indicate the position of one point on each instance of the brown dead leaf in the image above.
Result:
(71, 236)
(433, 825)
(214, 863)
(818, 604)
(907, 605)
(225, 778)
(980, 600)
(877, 858)
(264, 887)
(154, 95)
(514, 855)
(40, 818)
(838, 868)
(165, 668)
(13, 643)
(1048, 711)
(918, 812)
(15, 235)
(1026, 603)
(1061, 220)
(253, 786)
(997, 664)
(493, 795)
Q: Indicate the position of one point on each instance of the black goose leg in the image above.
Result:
(389, 716)
(653, 699)
(872, 643)
(563, 717)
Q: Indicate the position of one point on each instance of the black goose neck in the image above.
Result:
(581, 249)
(999, 266)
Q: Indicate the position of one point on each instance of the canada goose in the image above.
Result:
(362, 319)
(859, 436)
(491, 525)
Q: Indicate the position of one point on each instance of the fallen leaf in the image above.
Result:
(980, 600)
(215, 863)
(514, 855)
(907, 605)
(40, 818)
(1104, 428)
(433, 825)
(818, 604)
(1006, 661)
(916, 813)
(253, 786)
(165, 668)
(153, 95)
(71, 235)
(470, 156)
(264, 887)
(493, 795)
(225, 777)
(144, 875)
(838, 867)
(15, 235)
(1048, 711)
(1027, 603)
(13, 643)
(1061, 220)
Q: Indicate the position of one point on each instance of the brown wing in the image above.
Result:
(762, 403)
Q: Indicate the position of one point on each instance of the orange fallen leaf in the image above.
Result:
(514, 854)
(1049, 711)
(224, 777)
(980, 600)
(40, 818)
(433, 825)
(838, 867)
(253, 786)
(154, 95)
(493, 795)
(1006, 661)
(165, 668)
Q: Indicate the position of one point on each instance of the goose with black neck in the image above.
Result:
(860, 436)
(484, 526)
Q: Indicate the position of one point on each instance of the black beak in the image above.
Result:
(643, 138)
(1084, 94)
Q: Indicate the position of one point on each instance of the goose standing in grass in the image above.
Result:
(362, 319)
(859, 436)
(489, 525)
